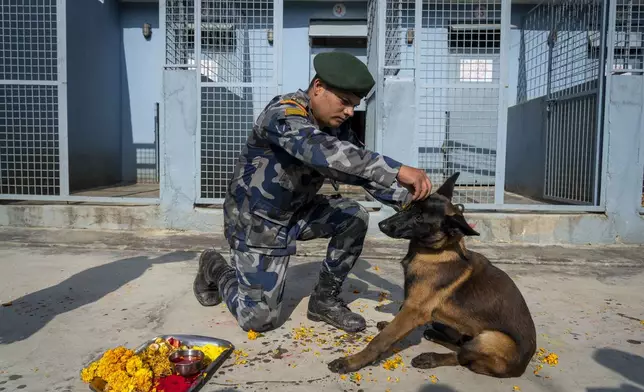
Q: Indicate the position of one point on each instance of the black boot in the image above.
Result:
(325, 305)
(211, 266)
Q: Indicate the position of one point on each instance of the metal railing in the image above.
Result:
(562, 59)
(575, 82)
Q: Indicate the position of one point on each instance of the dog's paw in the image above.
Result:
(424, 361)
(382, 325)
(340, 365)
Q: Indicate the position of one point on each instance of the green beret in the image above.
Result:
(344, 71)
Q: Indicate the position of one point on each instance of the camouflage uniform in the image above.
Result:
(272, 202)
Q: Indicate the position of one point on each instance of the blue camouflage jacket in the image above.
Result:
(284, 164)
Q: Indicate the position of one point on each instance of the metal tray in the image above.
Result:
(98, 385)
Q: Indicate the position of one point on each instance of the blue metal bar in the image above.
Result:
(197, 147)
(601, 98)
(180, 66)
(381, 26)
(418, 28)
(83, 199)
(278, 27)
(38, 82)
(608, 72)
(502, 120)
(456, 85)
(63, 140)
(237, 85)
(553, 208)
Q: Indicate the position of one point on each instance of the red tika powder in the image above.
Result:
(174, 383)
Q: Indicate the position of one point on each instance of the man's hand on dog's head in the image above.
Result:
(416, 181)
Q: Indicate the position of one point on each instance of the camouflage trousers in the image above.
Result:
(253, 294)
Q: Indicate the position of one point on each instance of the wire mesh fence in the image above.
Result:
(29, 104)
(400, 16)
(179, 32)
(533, 55)
(628, 54)
(458, 71)
(575, 38)
(237, 65)
(226, 119)
(29, 147)
(562, 59)
(574, 78)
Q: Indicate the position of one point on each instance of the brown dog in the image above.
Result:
(475, 308)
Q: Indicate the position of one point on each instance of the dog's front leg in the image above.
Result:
(400, 326)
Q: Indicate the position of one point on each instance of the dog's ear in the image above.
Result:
(447, 189)
(458, 221)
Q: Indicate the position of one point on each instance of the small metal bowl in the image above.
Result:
(187, 369)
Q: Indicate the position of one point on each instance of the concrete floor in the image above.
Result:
(130, 190)
(71, 295)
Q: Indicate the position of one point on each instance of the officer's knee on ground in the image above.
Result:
(257, 322)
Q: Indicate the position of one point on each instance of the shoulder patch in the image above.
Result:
(296, 111)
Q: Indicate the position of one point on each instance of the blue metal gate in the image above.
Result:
(33, 133)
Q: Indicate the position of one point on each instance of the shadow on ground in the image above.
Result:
(436, 388)
(628, 365)
(622, 388)
(30, 313)
(301, 279)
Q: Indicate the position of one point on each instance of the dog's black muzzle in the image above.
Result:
(397, 226)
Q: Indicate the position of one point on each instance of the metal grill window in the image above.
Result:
(629, 37)
(237, 68)
(146, 162)
(180, 37)
(28, 34)
(219, 40)
(29, 150)
(575, 66)
(472, 38)
(533, 55)
(226, 120)
(399, 23)
(459, 103)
